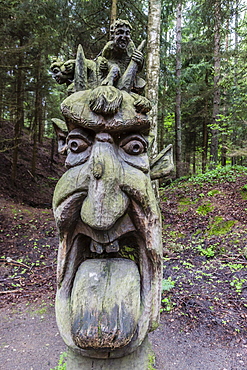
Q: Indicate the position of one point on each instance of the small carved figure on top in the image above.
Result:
(117, 66)
(124, 60)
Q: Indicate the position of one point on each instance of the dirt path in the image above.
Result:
(30, 341)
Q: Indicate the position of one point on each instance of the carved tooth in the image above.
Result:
(96, 247)
(112, 247)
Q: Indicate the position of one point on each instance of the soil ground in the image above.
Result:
(204, 305)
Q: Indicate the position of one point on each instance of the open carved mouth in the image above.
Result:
(109, 274)
(122, 43)
(104, 283)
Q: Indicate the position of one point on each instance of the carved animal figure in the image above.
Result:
(80, 73)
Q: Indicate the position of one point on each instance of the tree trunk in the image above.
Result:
(225, 93)
(1, 100)
(40, 120)
(153, 66)
(223, 154)
(160, 132)
(52, 153)
(34, 155)
(178, 127)
(19, 122)
(194, 153)
(205, 143)
(113, 11)
(234, 133)
(216, 97)
(37, 115)
(205, 129)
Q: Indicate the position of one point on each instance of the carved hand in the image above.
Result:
(138, 57)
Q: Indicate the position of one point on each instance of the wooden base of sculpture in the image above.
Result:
(138, 360)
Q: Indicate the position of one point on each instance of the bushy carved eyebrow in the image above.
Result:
(80, 134)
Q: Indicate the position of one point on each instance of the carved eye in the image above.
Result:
(134, 146)
(55, 70)
(77, 145)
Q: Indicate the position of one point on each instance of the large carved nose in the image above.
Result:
(105, 202)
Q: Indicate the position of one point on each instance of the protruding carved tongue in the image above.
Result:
(105, 303)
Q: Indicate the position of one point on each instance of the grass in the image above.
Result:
(61, 362)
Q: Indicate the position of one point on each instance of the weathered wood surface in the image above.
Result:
(106, 303)
(138, 360)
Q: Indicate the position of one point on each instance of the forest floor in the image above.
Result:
(204, 300)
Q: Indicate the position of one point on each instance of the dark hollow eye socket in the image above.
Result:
(77, 145)
(134, 147)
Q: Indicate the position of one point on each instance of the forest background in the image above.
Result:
(202, 71)
(199, 57)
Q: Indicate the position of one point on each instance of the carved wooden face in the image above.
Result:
(122, 37)
(109, 262)
(60, 74)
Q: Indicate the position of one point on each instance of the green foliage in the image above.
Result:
(235, 266)
(208, 252)
(167, 305)
(204, 209)
(62, 362)
(184, 204)
(244, 192)
(220, 174)
(167, 284)
(151, 361)
(220, 227)
(213, 192)
(184, 201)
(237, 284)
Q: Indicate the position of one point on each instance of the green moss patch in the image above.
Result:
(175, 234)
(205, 208)
(213, 192)
(221, 227)
(184, 204)
(244, 194)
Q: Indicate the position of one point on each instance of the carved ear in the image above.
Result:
(61, 132)
(163, 164)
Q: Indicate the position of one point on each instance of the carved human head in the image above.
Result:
(121, 33)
